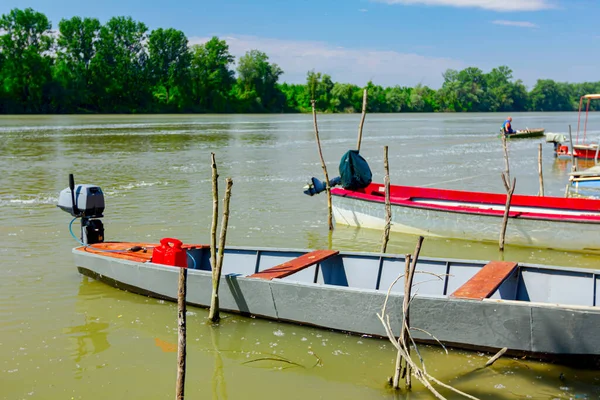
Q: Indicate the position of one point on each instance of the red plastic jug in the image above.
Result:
(170, 253)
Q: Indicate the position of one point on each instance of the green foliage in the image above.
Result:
(26, 75)
(211, 76)
(76, 48)
(119, 68)
(257, 82)
(168, 62)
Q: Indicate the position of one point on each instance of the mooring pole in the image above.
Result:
(181, 334)
(388, 206)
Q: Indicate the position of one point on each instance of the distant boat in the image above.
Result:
(543, 222)
(548, 312)
(525, 133)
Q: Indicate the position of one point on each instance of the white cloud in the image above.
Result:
(496, 5)
(363, 10)
(348, 65)
(521, 24)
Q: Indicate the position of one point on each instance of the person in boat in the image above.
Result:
(507, 126)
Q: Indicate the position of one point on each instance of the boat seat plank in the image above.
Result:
(295, 265)
(485, 282)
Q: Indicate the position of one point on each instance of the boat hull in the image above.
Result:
(584, 151)
(540, 233)
(522, 327)
(531, 133)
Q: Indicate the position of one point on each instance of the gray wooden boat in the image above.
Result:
(540, 311)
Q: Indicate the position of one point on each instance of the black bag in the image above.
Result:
(354, 171)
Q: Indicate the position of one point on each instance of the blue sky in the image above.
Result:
(391, 42)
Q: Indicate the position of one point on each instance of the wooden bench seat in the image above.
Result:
(295, 265)
(485, 282)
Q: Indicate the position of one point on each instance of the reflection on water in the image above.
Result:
(63, 336)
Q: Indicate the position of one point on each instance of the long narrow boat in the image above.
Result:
(526, 133)
(540, 311)
(546, 222)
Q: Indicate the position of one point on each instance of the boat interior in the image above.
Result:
(462, 279)
(433, 277)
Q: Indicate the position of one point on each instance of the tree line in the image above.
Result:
(119, 67)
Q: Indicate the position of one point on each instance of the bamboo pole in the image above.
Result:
(506, 163)
(573, 166)
(214, 304)
(540, 170)
(324, 166)
(388, 205)
(181, 334)
(509, 192)
(362, 120)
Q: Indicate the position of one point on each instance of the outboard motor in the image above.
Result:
(85, 202)
(354, 174)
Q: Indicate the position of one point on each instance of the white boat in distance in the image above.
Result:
(544, 222)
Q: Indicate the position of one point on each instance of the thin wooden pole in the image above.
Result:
(399, 371)
(181, 334)
(215, 214)
(388, 205)
(573, 166)
(362, 119)
(496, 357)
(506, 163)
(214, 304)
(540, 170)
(510, 190)
(408, 283)
(324, 166)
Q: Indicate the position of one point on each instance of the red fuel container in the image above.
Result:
(170, 253)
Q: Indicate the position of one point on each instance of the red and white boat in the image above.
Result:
(543, 222)
(583, 149)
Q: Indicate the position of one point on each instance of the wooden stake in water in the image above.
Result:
(324, 166)
(506, 163)
(399, 371)
(213, 314)
(181, 334)
(362, 119)
(540, 170)
(215, 214)
(509, 192)
(388, 206)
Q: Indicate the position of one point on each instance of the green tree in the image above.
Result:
(212, 78)
(258, 82)
(169, 61)
(119, 68)
(396, 99)
(77, 40)
(318, 88)
(25, 42)
(341, 97)
(548, 95)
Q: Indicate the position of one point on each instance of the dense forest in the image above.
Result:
(119, 67)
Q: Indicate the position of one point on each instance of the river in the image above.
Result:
(63, 336)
